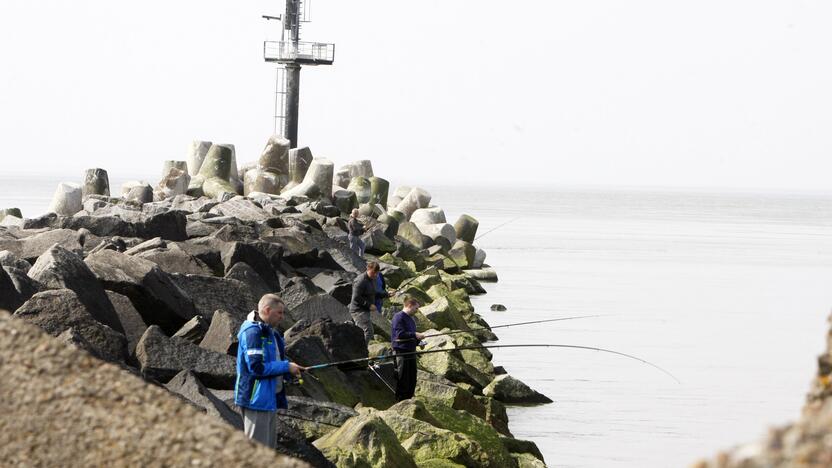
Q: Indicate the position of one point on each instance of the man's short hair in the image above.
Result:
(270, 301)
(372, 266)
(411, 301)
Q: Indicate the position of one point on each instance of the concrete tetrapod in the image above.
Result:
(379, 189)
(361, 168)
(67, 199)
(197, 151)
(466, 228)
(167, 165)
(299, 161)
(96, 182)
(430, 215)
(415, 199)
(137, 191)
(318, 181)
(275, 156)
(361, 187)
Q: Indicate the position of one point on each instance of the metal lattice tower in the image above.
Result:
(290, 53)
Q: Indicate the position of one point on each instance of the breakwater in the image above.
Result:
(158, 279)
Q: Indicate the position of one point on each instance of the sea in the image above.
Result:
(727, 291)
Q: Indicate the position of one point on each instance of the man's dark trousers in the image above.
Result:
(405, 375)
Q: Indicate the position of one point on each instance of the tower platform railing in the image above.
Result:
(307, 53)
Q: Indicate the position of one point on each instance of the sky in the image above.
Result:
(721, 94)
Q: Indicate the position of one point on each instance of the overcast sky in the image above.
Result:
(667, 93)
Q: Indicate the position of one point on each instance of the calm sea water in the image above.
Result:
(729, 292)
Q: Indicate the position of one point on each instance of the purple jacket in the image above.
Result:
(404, 332)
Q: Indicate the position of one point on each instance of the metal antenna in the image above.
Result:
(290, 55)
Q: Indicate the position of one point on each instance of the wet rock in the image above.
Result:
(507, 389)
(210, 293)
(59, 268)
(193, 330)
(364, 440)
(157, 298)
(519, 446)
(56, 311)
(67, 199)
(498, 307)
(96, 182)
(188, 385)
(129, 318)
(221, 336)
(161, 358)
(496, 415)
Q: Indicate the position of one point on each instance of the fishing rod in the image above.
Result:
(454, 332)
(462, 348)
(494, 229)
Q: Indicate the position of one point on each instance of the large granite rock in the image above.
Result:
(173, 259)
(50, 390)
(315, 418)
(129, 318)
(222, 335)
(187, 385)
(336, 284)
(161, 358)
(193, 330)
(157, 298)
(56, 311)
(10, 297)
(210, 293)
(321, 306)
(344, 341)
(59, 268)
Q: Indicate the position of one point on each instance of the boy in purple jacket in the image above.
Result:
(404, 339)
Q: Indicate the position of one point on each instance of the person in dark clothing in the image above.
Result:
(356, 230)
(363, 300)
(404, 340)
(381, 291)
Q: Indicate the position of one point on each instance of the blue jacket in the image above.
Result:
(381, 291)
(260, 359)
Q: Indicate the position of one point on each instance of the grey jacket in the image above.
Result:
(363, 293)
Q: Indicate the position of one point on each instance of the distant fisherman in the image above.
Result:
(404, 339)
(261, 366)
(364, 295)
(356, 230)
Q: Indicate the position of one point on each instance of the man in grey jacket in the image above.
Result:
(363, 300)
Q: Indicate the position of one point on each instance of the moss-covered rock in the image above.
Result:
(426, 442)
(525, 460)
(413, 292)
(443, 313)
(495, 414)
(408, 268)
(447, 365)
(460, 422)
(427, 280)
(517, 446)
(449, 394)
(438, 290)
(462, 301)
(462, 281)
(364, 441)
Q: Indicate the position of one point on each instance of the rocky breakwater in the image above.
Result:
(804, 443)
(157, 282)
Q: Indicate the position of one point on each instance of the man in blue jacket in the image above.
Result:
(261, 366)
(404, 340)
